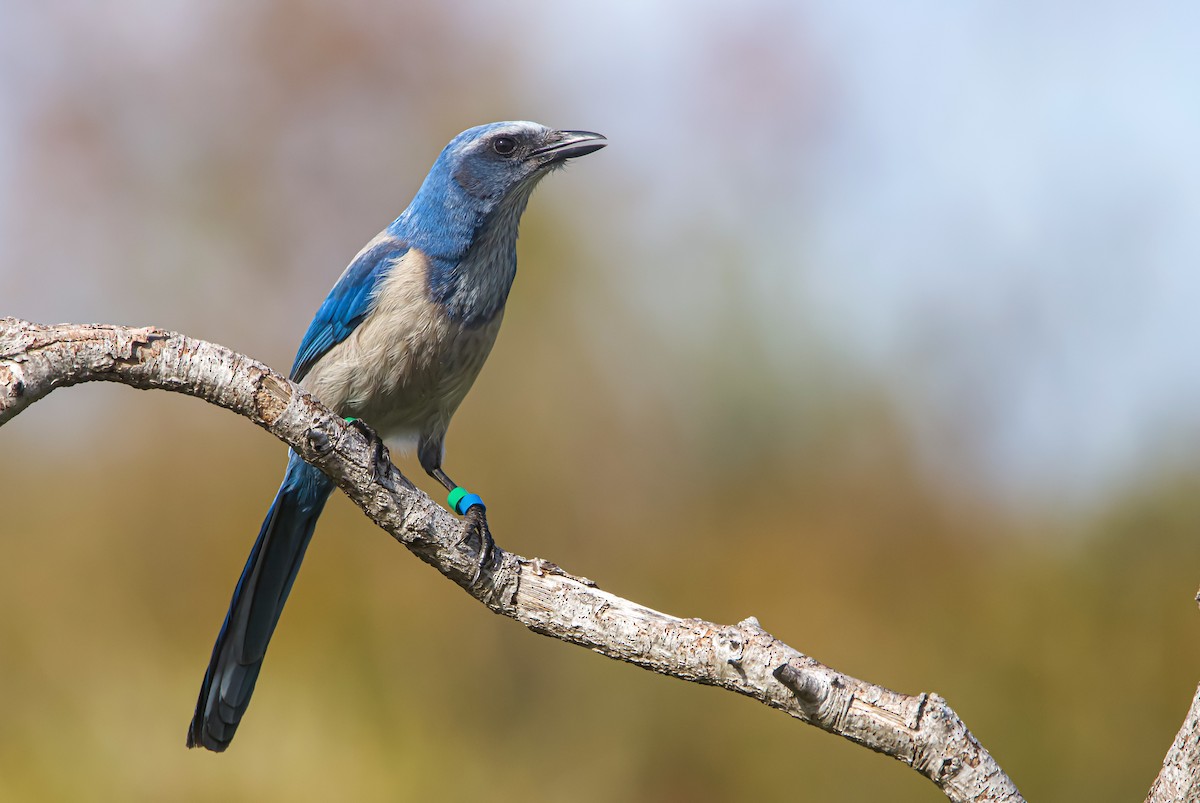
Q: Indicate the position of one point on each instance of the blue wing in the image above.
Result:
(347, 303)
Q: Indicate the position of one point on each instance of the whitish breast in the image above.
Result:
(407, 366)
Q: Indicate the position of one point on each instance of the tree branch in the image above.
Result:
(921, 731)
(1180, 775)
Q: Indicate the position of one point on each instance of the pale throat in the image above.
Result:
(485, 274)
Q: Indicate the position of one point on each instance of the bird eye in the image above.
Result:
(505, 146)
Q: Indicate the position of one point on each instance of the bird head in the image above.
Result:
(489, 162)
(464, 219)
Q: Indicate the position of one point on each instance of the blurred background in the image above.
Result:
(876, 321)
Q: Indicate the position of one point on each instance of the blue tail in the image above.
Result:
(257, 602)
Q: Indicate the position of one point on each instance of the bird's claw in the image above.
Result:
(477, 517)
(381, 458)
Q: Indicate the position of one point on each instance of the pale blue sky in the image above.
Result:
(993, 206)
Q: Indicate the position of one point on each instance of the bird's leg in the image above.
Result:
(381, 459)
(439, 475)
(476, 514)
(487, 546)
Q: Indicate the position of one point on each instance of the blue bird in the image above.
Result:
(396, 345)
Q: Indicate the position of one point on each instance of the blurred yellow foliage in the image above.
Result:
(663, 413)
(1068, 646)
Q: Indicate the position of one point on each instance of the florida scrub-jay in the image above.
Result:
(396, 344)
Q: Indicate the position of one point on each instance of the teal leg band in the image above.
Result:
(461, 500)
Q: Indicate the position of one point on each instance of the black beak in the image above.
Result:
(563, 145)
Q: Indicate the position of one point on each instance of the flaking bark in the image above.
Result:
(921, 731)
(1179, 778)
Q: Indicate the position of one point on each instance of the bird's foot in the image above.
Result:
(471, 506)
(477, 517)
(381, 458)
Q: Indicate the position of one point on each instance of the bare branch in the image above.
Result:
(1180, 775)
(921, 731)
